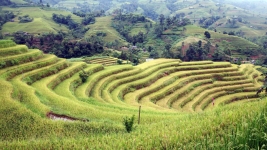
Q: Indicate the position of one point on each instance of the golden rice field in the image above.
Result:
(45, 104)
(106, 61)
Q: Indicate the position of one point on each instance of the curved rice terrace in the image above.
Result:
(106, 61)
(45, 103)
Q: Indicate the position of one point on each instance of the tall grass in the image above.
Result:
(224, 128)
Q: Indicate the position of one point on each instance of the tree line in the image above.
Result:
(197, 51)
(6, 16)
(205, 22)
(60, 45)
(66, 20)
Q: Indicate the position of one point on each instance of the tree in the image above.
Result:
(168, 21)
(158, 30)
(199, 43)
(231, 33)
(88, 19)
(123, 56)
(191, 53)
(83, 75)
(167, 53)
(207, 47)
(218, 56)
(150, 48)
(161, 19)
(154, 54)
(207, 34)
(168, 47)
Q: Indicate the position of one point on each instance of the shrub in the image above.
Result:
(207, 34)
(25, 19)
(14, 62)
(83, 75)
(119, 61)
(128, 123)
(101, 33)
(2, 64)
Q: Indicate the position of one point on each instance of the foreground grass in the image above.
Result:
(222, 128)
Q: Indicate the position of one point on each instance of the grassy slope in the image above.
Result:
(103, 24)
(210, 9)
(73, 3)
(196, 33)
(139, 27)
(42, 22)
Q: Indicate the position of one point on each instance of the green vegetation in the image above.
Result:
(83, 75)
(202, 104)
(84, 102)
(5, 17)
(65, 20)
(103, 24)
(42, 22)
(128, 123)
(25, 19)
(168, 37)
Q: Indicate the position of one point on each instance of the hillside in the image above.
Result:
(42, 20)
(224, 41)
(103, 25)
(220, 20)
(256, 6)
(250, 22)
(232, 18)
(45, 103)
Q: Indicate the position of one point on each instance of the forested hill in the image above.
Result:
(189, 30)
(5, 2)
(243, 18)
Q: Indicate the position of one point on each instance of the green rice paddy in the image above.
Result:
(184, 105)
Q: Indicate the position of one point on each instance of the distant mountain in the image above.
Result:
(5, 2)
(245, 18)
(258, 6)
(167, 30)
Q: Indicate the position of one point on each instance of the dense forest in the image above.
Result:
(59, 45)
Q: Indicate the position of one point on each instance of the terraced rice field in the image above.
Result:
(42, 96)
(106, 61)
